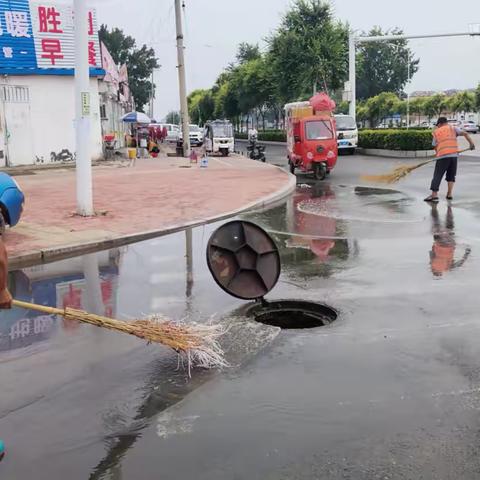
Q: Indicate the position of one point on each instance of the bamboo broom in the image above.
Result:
(195, 342)
(402, 171)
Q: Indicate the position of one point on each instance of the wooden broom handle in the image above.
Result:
(38, 308)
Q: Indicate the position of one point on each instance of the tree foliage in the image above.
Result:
(383, 66)
(308, 51)
(247, 52)
(140, 62)
(173, 117)
(462, 102)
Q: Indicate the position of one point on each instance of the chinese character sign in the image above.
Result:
(17, 48)
(38, 37)
(53, 31)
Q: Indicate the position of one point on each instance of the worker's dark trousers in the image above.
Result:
(447, 164)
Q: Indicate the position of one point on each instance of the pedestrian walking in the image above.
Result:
(446, 147)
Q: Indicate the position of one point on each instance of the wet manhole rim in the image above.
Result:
(293, 314)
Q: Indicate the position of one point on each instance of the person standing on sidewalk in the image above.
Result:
(446, 148)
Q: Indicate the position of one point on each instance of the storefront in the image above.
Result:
(37, 88)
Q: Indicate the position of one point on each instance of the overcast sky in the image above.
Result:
(214, 28)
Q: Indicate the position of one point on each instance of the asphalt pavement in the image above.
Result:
(390, 390)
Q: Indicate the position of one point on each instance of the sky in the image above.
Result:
(214, 28)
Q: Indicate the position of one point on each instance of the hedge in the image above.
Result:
(266, 136)
(396, 139)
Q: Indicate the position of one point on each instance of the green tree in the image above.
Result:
(383, 66)
(462, 102)
(248, 51)
(308, 51)
(435, 105)
(418, 107)
(477, 98)
(173, 117)
(140, 62)
(201, 106)
(381, 106)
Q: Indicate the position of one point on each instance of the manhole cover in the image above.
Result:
(243, 260)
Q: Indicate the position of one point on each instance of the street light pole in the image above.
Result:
(353, 41)
(408, 93)
(352, 73)
(181, 80)
(82, 111)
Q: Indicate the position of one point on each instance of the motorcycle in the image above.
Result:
(256, 152)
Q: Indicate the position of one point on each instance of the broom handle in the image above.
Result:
(38, 308)
(434, 159)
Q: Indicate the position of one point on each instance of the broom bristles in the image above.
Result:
(395, 176)
(197, 343)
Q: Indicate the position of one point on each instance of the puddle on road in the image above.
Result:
(95, 392)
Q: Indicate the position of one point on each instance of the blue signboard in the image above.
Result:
(37, 38)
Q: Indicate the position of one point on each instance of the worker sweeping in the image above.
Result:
(446, 146)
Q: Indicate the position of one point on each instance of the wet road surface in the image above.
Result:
(391, 389)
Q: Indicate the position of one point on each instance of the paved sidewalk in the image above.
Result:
(136, 202)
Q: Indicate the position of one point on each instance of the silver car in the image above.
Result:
(469, 127)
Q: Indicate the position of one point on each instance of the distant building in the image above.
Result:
(115, 98)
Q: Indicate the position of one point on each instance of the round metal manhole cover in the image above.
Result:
(243, 260)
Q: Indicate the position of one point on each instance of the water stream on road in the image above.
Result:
(77, 402)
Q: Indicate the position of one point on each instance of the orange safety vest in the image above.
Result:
(446, 138)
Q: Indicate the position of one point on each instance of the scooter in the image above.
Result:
(256, 152)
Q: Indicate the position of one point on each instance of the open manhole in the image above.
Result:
(245, 262)
(292, 314)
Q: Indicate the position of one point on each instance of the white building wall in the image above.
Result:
(52, 113)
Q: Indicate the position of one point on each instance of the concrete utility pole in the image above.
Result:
(353, 41)
(82, 111)
(181, 80)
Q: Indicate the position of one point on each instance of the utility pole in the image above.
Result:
(408, 93)
(352, 56)
(181, 80)
(82, 111)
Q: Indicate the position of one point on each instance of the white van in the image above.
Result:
(347, 133)
(173, 132)
(218, 137)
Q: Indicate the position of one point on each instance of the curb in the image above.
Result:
(58, 253)
(378, 152)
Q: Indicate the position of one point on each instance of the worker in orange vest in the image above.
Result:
(446, 148)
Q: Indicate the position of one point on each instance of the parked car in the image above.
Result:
(454, 123)
(196, 136)
(347, 133)
(173, 132)
(469, 127)
(11, 201)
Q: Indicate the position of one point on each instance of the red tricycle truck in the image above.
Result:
(311, 136)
